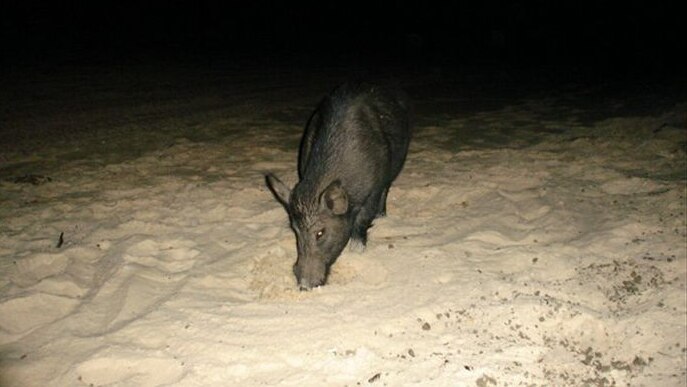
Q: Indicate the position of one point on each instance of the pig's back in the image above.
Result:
(358, 134)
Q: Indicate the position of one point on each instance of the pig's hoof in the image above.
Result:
(356, 245)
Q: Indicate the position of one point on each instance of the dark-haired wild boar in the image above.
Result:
(354, 146)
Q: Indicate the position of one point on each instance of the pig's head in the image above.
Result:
(321, 224)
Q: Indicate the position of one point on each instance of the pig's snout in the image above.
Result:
(304, 285)
(309, 277)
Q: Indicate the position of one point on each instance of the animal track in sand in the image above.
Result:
(150, 272)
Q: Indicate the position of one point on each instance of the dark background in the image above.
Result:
(623, 38)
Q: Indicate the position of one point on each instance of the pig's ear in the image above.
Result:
(334, 198)
(279, 189)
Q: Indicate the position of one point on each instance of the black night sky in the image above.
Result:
(639, 38)
(57, 55)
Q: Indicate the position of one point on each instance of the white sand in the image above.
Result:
(522, 247)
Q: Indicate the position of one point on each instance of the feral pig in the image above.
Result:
(354, 146)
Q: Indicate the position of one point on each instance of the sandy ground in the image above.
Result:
(530, 240)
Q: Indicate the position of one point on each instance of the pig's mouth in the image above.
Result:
(306, 288)
(308, 281)
(304, 284)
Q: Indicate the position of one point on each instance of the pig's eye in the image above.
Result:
(319, 234)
